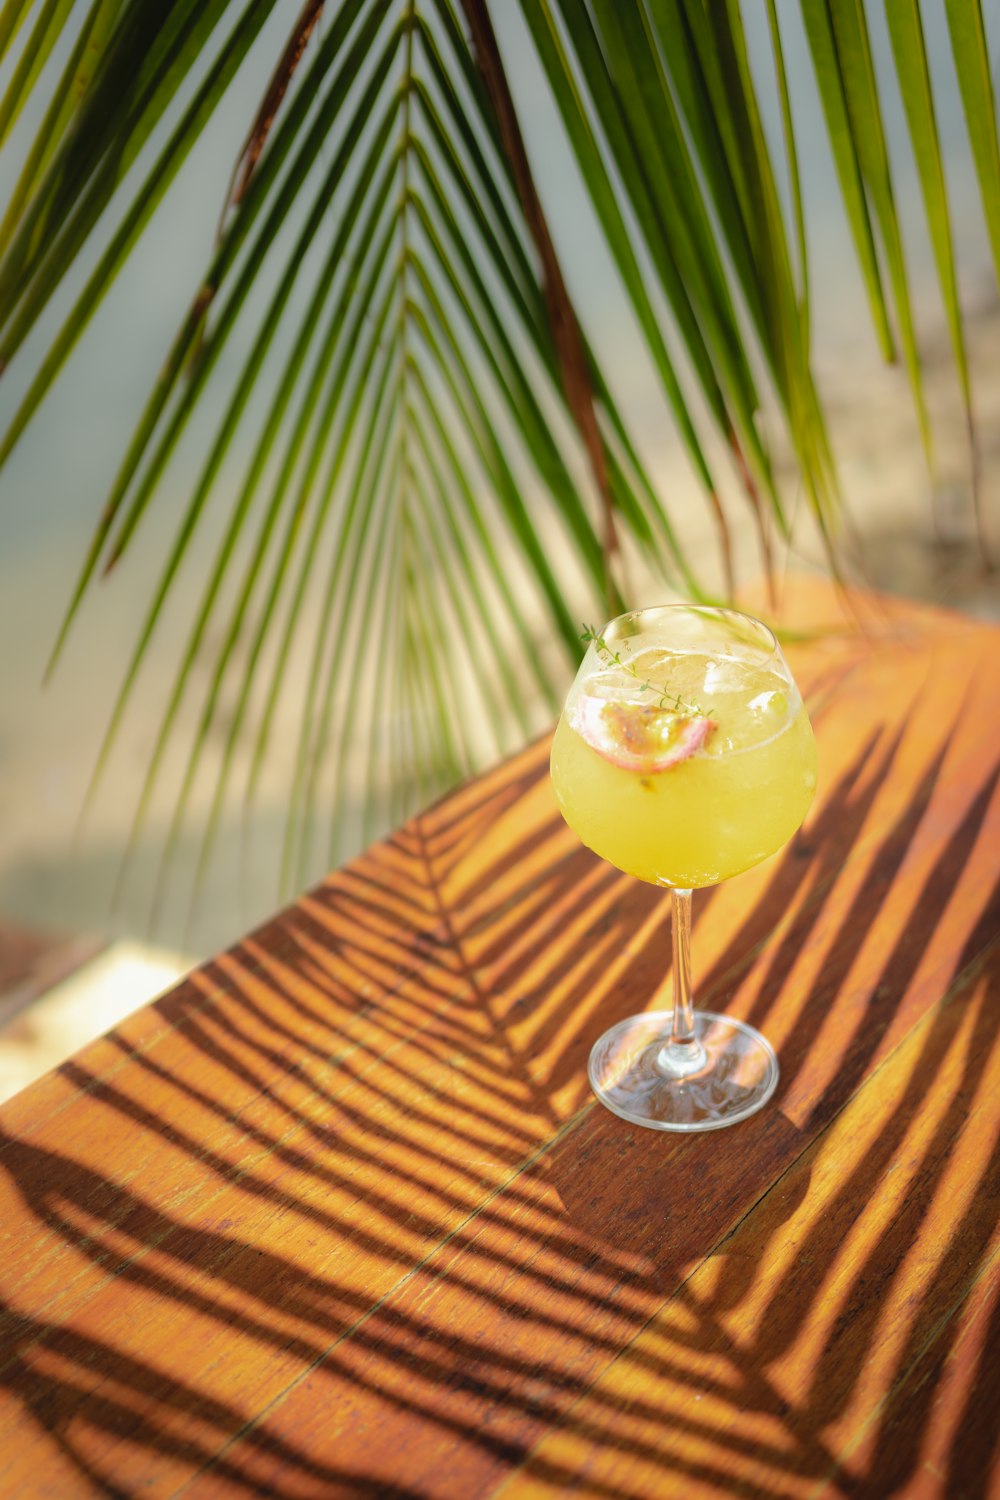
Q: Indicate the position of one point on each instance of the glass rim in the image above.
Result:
(770, 641)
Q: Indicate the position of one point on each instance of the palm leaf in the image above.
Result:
(13, 13)
(907, 36)
(791, 153)
(138, 215)
(329, 345)
(830, 79)
(34, 55)
(670, 86)
(420, 475)
(432, 433)
(89, 46)
(147, 56)
(861, 93)
(975, 82)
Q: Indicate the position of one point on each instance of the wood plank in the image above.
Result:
(339, 1215)
(786, 1364)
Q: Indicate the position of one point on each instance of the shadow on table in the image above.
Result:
(522, 1284)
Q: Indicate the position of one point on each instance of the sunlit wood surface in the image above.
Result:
(339, 1216)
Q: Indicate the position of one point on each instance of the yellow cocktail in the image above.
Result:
(726, 806)
(684, 755)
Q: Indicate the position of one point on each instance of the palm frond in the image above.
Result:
(408, 432)
(420, 474)
(906, 33)
(975, 82)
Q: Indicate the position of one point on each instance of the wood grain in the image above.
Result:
(338, 1216)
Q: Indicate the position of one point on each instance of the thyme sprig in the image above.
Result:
(614, 658)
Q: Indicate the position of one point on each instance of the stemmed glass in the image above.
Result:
(683, 756)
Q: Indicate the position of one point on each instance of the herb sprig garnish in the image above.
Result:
(614, 658)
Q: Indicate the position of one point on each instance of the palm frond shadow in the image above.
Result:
(79, 1357)
(426, 1033)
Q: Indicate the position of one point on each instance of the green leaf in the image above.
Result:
(605, 202)
(240, 512)
(484, 538)
(407, 516)
(975, 82)
(792, 158)
(365, 513)
(126, 236)
(818, 24)
(12, 14)
(44, 34)
(211, 350)
(138, 73)
(72, 86)
(861, 92)
(907, 36)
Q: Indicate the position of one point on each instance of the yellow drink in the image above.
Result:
(720, 809)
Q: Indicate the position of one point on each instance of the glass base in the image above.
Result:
(725, 1074)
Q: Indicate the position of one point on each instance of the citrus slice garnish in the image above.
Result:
(640, 736)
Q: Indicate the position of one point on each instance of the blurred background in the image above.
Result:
(73, 927)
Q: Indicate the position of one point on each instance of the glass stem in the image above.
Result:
(684, 1053)
(682, 1029)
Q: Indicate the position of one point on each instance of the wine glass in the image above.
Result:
(683, 756)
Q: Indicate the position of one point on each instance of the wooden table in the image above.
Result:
(338, 1216)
